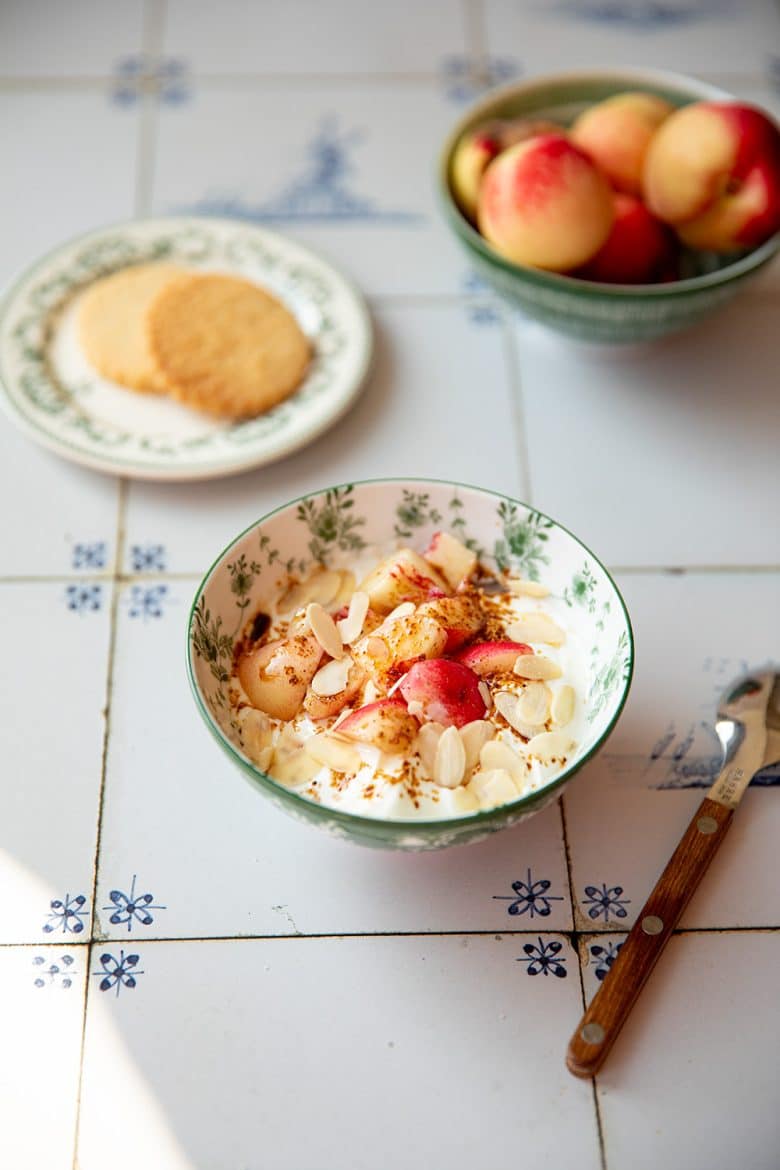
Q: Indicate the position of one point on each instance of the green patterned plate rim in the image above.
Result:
(48, 389)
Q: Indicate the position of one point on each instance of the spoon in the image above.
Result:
(748, 726)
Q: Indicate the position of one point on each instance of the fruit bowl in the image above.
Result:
(583, 308)
(326, 528)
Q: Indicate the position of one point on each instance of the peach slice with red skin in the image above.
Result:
(275, 675)
(454, 561)
(404, 576)
(386, 724)
(493, 657)
(447, 692)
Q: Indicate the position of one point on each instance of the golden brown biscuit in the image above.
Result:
(225, 346)
(112, 324)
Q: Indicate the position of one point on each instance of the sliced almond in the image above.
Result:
(415, 707)
(507, 704)
(563, 706)
(377, 648)
(405, 609)
(493, 787)
(474, 735)
(331, 678)
(497, 754)
(344, 595)
(427, 741)
(485, 692)
(536, 666)
(396, 685)
(527, 588)
(449, 766)
(334, 753)
(370, 693)
(324, 629)
(351, 627)
(536, 627)
(463, 800)
(550, 745)
(256, 731)
(321, 586)
(533, 704)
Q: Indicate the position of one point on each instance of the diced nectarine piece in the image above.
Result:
(493, 657)
(443, 692)
(461, 617)
(275, 676)
(385, 724)
(404, 576)
(453, 559)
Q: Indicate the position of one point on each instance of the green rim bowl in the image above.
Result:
(324, 527)
(582, 308)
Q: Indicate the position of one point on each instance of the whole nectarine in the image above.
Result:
(639, 249)
(617, 132)
(479, 146)
(544, 203)
(713, 171)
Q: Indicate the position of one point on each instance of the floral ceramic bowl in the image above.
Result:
(328, 526)
(583, 308)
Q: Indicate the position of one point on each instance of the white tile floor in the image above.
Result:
(239, 966)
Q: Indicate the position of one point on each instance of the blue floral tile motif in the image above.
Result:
(466, 78)
(164, 78)
(322, 192)
(132, 907)
(147, 602)
(60, 973)
(66, 914)
(84, 598)
(486, 310)
(603, 901)
(118, 973)
(530, 897)
(603, 955)
(639, 14)
(90, 556)
(147, 558)
(544, 958)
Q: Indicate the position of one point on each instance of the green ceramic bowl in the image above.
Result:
(327, 525)
(583, 308)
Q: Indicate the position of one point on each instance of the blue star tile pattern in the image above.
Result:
(118, 973)
(603, 901)
(131, 907)
(90, 556)
(640, 14)
(530, 897)
(544, 958)
(84, 598)
(147, 602)
(66, 915)
(604, 955)
(147, 558)
(60, 973)
(164, 78)
(465, 78)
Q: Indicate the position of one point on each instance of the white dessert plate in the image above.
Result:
(50, 391)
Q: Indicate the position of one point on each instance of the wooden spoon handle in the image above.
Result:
(609, 1009)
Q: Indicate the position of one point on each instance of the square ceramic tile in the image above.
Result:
(69, 164)
(188, 848)
(346, 168)
(698, 36)
(83, 38)
(307, 36)
(629, 809)
(41, 1016)
(437, 403)
(691, 1079)
(75, 536)
(404, 1052)
(52, 693)
(662, 454)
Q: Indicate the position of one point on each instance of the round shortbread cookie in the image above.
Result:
(226, 346)
(112, 325)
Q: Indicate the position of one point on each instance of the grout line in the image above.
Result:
(565, 932)
(512, 361)
(154, 15)
(474, 22)
(119, 547)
